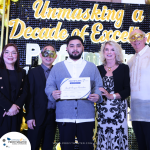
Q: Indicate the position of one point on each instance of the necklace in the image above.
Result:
(109, 68)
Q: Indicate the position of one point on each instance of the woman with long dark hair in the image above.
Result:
(13, 90)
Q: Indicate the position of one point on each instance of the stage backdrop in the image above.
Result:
(34, 23)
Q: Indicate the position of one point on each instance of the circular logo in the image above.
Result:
(14, 141)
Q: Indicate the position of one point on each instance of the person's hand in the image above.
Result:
(31, 123)
(105, 93)
(56, 94)
(13, 110)
(93, 97)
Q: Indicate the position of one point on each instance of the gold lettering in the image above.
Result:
(49, 12)
(27, 32)
(75, 32)
(137, 15)
(82, 34)
(54, 13)
(103, 17)
(119, 18)
(15, 23)
(116, 36)
(63, 34)
(95, 13)
(44, 33)
(86, 15)
(106, 35)
(66, 14)
(95, 31)
(110, 35)
(37, 5)
(113, 15)
(76, 14)
(109, 14)
(55, 32)
(148, 38)
(44, 10)
(35, 33)
(124, 36)
(59, 13)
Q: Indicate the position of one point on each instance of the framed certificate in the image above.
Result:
(75, 88)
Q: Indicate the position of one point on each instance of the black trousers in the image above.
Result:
(142, 133)
(46, 132)
(83, 131)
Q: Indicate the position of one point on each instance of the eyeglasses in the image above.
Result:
(8, 53)
(136, 36)
(49, 53)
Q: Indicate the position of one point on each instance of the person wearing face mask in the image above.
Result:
(139, 66)
(112, 129)
(40, 111)
(13, 90)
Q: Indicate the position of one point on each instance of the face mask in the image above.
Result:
(49, 53)
(136, 36)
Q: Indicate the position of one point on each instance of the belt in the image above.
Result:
(50, 110)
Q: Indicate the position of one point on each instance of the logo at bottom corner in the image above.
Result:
(14, 141)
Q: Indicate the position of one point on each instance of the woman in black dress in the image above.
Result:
(112, 130)
(13, 90)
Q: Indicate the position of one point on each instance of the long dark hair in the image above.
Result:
(2, 63)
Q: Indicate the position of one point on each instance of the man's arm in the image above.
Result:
(56, 94)
(30, 99)
(126, 84)
(31, 123)
(51, 89)
(94, 97)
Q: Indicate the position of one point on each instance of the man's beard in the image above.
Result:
(75, 57)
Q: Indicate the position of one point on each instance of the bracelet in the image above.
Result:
(114, 95)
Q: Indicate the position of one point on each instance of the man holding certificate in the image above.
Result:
(74, 85)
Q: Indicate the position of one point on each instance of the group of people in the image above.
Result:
(111, 83)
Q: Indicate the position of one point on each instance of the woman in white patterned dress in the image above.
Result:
(112, 130)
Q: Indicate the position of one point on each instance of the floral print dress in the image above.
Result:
(112, 130)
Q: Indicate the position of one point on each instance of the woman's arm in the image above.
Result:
(108, 95)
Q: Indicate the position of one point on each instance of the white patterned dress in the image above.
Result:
(112, 130)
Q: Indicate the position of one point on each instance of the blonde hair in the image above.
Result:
(117, 49)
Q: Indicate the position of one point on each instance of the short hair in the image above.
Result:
(117, 49)
(2, 63)
(75, 37)
(48, 44)
(138, 30)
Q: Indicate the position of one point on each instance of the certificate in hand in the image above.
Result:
(75, 88)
